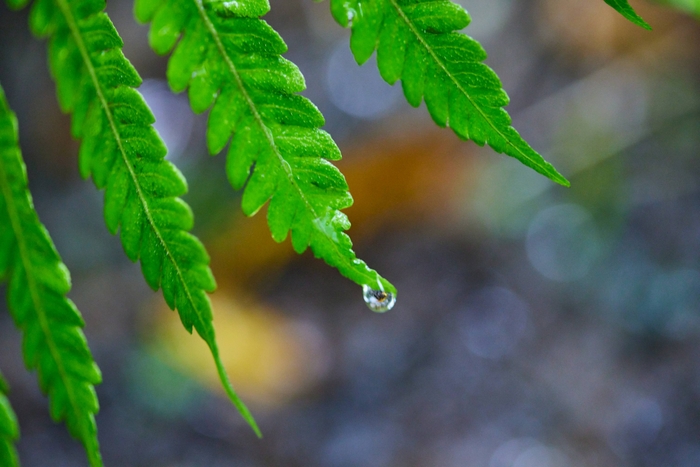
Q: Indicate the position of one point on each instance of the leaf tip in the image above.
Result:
(231, 393)
(562, 181)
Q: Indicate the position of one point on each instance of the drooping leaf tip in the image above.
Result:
(624, 8)
(233, 397)
(561, 180)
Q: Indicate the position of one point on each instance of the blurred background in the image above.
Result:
(536, 326)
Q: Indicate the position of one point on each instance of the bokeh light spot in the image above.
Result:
(563, 242)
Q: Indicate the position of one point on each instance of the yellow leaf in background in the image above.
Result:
(269, 357)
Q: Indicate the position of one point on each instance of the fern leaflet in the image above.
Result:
(125, 156)
(416, 41)
(9, 430)
(231, 59)
(38, 282)
(624, 8)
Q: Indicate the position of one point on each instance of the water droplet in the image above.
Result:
(378, 300)
(351, 16)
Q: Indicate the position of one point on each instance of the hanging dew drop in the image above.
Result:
(378, 300)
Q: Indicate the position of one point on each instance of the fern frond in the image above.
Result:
(231, 59)
(417, 42)
(9, 429)
(38, 283)
(125, 156)
(624, 8)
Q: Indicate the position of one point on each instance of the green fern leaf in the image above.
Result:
(416, 42)
(230, 59)
(38, 282)
(9, 430)
(125, 156)
(624, 8)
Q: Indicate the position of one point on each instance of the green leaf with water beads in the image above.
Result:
(230, 61)
(125, 156)
(54, 343)
(417, 42)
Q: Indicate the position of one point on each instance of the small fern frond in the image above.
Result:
(231, 59)
(624, 8)
(9, 429)
(417, 42)
(53, 343)
(125, 156)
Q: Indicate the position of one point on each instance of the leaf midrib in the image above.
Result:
(16, 223)
(437, 60)
(75, 30)
(209, 338)
(253, 109)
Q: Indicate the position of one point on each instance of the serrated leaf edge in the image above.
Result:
(251, 105)
(554, 174)
(91, 444)
(210, 340)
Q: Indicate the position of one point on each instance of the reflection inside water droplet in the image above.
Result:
(378, 300)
